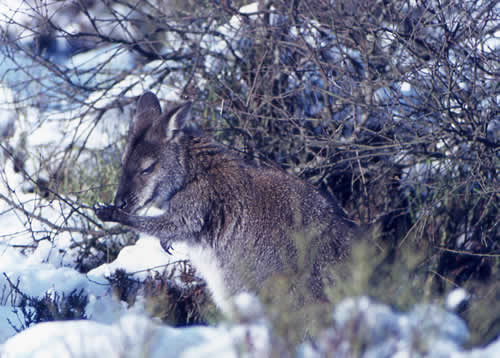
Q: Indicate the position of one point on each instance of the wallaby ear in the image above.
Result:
(178, 119)
(148, 109)
(148, 102)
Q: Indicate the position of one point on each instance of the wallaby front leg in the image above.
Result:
(159, 226)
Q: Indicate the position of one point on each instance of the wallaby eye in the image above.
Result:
(149, 169)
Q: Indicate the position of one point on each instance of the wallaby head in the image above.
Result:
(152, 161)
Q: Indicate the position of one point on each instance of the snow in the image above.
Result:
(37, 280)
(426, 331)
(132, 259)
(38, 264)
(492, 43)
(456, 298)
(131, 336)
(216, 45)
(7, 117)
(15, 13)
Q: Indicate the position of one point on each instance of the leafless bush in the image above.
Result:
(390, 106)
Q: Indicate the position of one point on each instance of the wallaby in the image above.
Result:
(257, 225)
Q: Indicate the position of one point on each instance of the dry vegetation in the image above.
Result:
(390, 106)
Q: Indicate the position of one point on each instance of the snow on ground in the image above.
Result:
(426, 331)
(115, 329)
(132, 336)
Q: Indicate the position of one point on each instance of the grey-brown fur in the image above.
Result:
(258, 223)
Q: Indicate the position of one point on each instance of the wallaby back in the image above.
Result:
(257, 225)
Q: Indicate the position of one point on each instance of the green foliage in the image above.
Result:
(483, 311)
(397, 277)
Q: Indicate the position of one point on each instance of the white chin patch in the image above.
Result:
(151, 211)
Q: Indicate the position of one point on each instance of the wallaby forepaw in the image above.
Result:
(104, 211)
(166, 245)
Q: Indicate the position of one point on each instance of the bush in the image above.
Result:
(392, 107)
